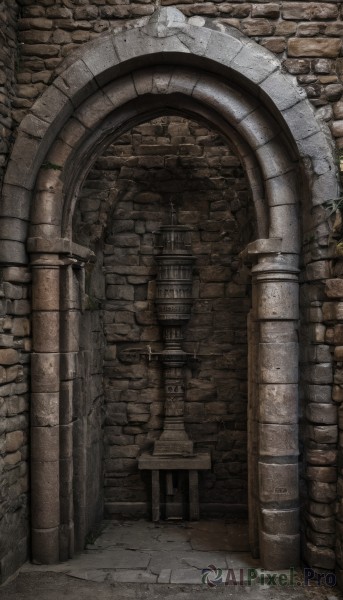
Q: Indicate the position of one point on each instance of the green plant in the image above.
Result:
(335, 211)
(333, 206)
(50, 165)
(92, 303)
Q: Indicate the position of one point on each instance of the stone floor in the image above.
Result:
(141, 560)
(169, 552)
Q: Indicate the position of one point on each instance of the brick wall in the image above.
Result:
(14, 342)
(306, 36)
(129, 191)
(14, 418)
(8, 68)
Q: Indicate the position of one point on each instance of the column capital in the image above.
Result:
(269, 261)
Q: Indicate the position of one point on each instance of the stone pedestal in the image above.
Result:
(174, 451)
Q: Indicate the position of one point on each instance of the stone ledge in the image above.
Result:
(200, 461)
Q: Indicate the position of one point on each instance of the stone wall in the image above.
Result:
(14, 419)
(321, 406)
(321, 390)
(306, 36)
(14, 343)
(130, 187)
(9, 53)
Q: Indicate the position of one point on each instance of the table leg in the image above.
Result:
(155, 495)
(193, 495)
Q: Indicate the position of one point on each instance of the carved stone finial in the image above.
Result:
(165, 21)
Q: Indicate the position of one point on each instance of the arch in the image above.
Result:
(166, 38)
(192, 68)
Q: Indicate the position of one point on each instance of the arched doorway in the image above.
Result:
(115, 82)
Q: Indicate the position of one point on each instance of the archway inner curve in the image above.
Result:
(256, 135)
(131, 186)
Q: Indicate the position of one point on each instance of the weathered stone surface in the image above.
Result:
(321, 457)
(314, 47)
(51, 32)
(278, 483)
(275, 549)
(334, 288)
(278, 440)
(324, 474)
(319, 557)
(322, 491)
(8, 356)
(14, 441)
(309, 10)
(322, 413)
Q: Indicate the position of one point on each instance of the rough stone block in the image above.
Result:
(324, 474)
(321, 510)
(314, 47)
(321, 457)
(323, 434)
(338, 334)
(8, 356)
(318, 373)
(309, 10)
(316, 556)
(14, 559)
(322, 492)
(14, 441)
(322, 413)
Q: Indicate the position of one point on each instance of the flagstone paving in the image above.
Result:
(138, 560)
(170, 552)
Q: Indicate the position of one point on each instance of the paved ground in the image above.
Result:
(177, 561)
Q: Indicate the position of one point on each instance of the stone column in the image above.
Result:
(69, 346)
(276, 281)
(253, 429)
(174, 303)
(45, 384)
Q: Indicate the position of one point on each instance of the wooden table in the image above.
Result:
(191, 464)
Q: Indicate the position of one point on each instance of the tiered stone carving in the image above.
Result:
(174, 304)
(174, 451)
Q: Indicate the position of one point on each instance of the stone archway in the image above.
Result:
(105, 87)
